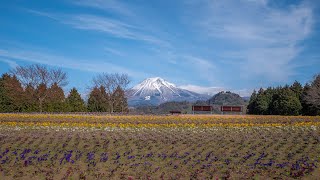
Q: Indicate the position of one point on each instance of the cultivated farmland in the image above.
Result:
(43, 146)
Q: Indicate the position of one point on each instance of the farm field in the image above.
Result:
(43, 146)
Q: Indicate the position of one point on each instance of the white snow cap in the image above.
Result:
(154, 83)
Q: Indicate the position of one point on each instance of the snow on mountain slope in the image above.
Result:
(154, 91)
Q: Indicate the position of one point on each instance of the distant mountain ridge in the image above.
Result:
(221, 98)
(155, 91)
(227, 98)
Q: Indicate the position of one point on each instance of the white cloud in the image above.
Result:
(243, 92)
(11, 63)
(109, 26)
(202, 90)
(114, 51)
(267, 39)
(113, 5)
(42, 57)
(214, 90)
(112, 27)
(201, 67)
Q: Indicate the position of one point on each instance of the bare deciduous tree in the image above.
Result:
(311, 96)
(111, 82)
(36, 75)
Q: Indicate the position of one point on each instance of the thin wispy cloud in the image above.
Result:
(47, 58)
(198, 67)
(113, 27)
(108, 26)
(235, 44)
(266, 38)
(203, 67)
(203, 89)
(108, 5)
(214, 90)
(11, 63)
(114, 51)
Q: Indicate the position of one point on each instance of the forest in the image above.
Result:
(37, 88)
(287, 100)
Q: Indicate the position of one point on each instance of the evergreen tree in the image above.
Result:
(98, 100)
(41, 93)
(252, 103)
(297, 88)
(262, 104)
(286, 102)
(55, 100)
(12, 94)
(75, 102)
(93, 100)
(110, 82)
(120, 101)
(4, 99)
(269, 93)
(304, 103)
(40, 78)
(104, 100)
(30, 100)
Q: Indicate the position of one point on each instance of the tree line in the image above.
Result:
(37, 88)
(287, 100)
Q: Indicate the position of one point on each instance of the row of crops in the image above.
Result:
(158, 147)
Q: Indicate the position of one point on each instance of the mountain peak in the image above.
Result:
(155, 83)
(155, 79)
(158, 90)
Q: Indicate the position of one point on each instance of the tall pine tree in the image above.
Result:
(120, 101)
(30, 100)
(12, 94)
(252, 103)
(98, 100)
(262, 104)
(75, 102)
(297, 88)
(55, 100)
(286, 102)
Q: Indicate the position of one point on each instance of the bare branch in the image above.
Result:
(35, 75)
(111, 81)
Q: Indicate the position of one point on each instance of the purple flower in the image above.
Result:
(67, 156)
(104, 157)
(90, 156)
(131, 157)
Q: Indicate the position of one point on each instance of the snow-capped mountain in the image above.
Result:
(154, 91)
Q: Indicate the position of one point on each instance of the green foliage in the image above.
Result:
(31, 102)
(74, 102)
(252, 103)
(4, 99)
(120, 100)
(262, 102)
(222, 98)
(297, 88)
(286, 102)
(98, 100)
(40, 95)
(226, 98)
(11, 94)
(55, 100)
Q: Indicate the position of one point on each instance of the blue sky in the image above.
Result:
(201, 45)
